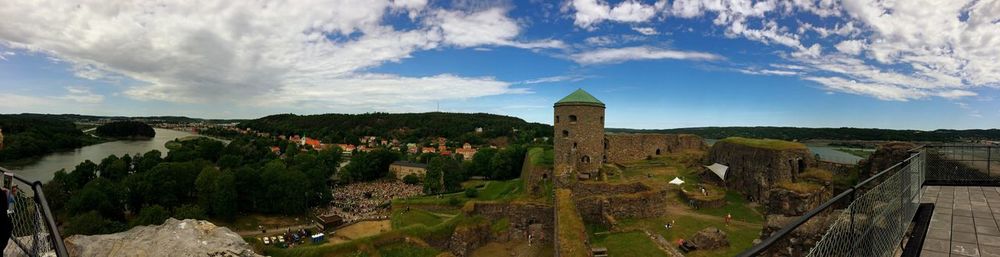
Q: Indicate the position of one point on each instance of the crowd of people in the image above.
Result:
(369, 200)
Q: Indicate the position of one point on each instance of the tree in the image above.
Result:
(189, 211)
(83, 173)
(150, 215)
(411, 179)
(249, 188)
(433, 178)
(224, 202)
(481, 162)
(206, 185)
(90, 223)
(101, 195)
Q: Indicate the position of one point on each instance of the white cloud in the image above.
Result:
(852, 47)
(768, 72)
(618, 55)
(187, 51)
(599, 40)
(592, 12)
(489, 27)
(649, 31)
(891, 50)
(81, 95)
(552, 79)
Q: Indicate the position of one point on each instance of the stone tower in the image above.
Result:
(579, 135)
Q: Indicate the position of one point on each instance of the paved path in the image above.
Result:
(964, 222)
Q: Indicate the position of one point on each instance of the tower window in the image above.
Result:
(574, 145)
(602, 119)
(557, 118)
(565, 133)
(657, 151)
(585, 159)
(572, 118)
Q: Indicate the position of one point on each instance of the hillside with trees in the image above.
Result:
(28, 136)
(796, 133)
(408, 127)
(125, 129)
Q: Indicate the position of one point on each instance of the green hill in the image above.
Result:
(409, 127)
(35, 135)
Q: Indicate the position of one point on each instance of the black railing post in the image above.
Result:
(989, 160)
(854, 190)
(50, 221)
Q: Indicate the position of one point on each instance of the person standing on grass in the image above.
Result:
(729, 218)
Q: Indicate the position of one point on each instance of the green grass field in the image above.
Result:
(741, 236)
(406, 250)
(627, 244)
(765, 143)
(402, 218)
(737, 206)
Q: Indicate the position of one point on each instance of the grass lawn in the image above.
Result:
(737, 206)
(627, 244)
(402, 218)
(765, 143)
(541, 156)
(741, 235)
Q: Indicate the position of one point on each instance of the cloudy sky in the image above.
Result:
(921, 64)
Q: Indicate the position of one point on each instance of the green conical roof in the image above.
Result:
(580, 97)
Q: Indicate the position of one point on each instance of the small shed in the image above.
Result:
(329, 221)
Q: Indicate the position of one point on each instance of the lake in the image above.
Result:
(46, 167)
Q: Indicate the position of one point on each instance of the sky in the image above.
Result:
(915, 64)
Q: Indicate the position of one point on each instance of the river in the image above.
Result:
(44, 168)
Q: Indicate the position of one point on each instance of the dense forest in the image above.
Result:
(793, 133)
(125, 129)
(409, 127)
(28, 135)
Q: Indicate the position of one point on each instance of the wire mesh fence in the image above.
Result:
(877, 219)
(951, 164)
(868, 219)
(33, 227)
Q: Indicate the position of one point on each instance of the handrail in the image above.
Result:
(787, 229)
(46, 213)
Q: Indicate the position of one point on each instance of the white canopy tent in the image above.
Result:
(677, 181)
(719, 170)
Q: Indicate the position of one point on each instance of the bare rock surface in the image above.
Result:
(173, 238)
(710, 238)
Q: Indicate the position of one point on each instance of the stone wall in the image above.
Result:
(885, 156)
(753, 171)
(579, 145)
(521, 215)
(632, 147)
(469, 237)
(587, 189)
(790, 203)
(619, 202)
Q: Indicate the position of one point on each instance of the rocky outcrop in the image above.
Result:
(710, 238)
(885, 156)
(755, 167)
(633, 147)
(173, 238)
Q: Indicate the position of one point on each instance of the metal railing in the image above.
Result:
(963, 164)
(875, 216)
(35, 232)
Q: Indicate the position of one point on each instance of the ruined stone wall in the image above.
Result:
(521, 216)
(790, 203)
(587, 189)
(604, 209)
(581, 148)
(633, 147)
(535, 176)
(801, 240)
(885, 156)
(754, 171)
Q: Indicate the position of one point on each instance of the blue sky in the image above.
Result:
(656, 64)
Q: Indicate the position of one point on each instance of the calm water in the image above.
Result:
(44, 168)
(826, 153)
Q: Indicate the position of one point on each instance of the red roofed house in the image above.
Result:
(313, 142)
(466, 151)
